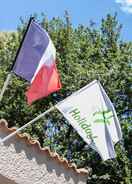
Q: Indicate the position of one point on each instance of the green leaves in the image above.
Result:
(83, 54)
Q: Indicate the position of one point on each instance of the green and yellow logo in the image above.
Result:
(104, 117)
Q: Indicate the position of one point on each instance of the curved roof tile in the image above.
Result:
(28, 140)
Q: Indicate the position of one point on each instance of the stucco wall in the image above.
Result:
(4, 180)
(27, 164)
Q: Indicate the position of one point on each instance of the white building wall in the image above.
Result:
(25, 163)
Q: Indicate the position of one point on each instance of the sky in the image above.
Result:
(81, 12)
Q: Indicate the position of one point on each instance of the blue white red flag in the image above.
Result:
(36, 63)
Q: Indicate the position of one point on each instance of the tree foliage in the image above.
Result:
(83, 54)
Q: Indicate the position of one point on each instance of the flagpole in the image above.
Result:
(29, 123)
(11, 73)
(5, 85)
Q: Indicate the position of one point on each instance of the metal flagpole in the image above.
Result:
(5, 85)
(30, 122)
(11, 73)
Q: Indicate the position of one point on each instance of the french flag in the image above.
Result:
(36, 63)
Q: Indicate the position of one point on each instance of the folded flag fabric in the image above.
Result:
(92, 114)
(36, 63)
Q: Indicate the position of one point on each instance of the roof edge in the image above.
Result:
(29, 140)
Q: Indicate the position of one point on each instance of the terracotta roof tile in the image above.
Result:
(28, 140)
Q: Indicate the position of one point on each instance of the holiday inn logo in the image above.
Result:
(103, 117)
(100, 117)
